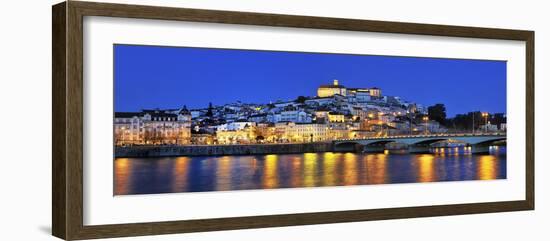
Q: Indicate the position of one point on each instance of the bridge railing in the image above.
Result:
(425, 136)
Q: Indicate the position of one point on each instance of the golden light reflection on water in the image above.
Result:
(487, 167)
(296, 169)
(181, 172)
(442, 151)
(223, 180)
(329, 170)
(426, 172)
(376, 168)
(270, 172)
(122, 176)
(310, 164)
(350, 169)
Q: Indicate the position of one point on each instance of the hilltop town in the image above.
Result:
(336, 112)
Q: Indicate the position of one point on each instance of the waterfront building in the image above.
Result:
(201, 137)
(301, 132)
(340, 133)
(265, 133)
(310, 132)
(152, 127)
(127, 128)
(245, 135)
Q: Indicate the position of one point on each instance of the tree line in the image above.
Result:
(465, 121)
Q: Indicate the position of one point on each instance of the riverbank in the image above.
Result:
(219, 150)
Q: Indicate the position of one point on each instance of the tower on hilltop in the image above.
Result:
(330, 90)
(337, 89)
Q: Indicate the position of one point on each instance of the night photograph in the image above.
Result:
(193, 119)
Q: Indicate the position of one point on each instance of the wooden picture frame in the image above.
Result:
(67, 125)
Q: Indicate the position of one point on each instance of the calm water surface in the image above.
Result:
(222, 173)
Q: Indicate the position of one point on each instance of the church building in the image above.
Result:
(330, 90)
(337, 89)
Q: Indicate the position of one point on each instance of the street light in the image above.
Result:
(485, 115)
(425, 119)
(410, 122)
(473, 123)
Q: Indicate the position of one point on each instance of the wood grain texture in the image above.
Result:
(122, 230)
(67, 78)
(59, 192)
(75, 120)
(530, 120)
(279, 20)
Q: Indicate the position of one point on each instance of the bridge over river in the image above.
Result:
(479, 143)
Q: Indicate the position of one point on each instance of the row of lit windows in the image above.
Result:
(129, 120)
(164, 118)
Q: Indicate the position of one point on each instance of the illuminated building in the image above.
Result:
(127, 126)
(201, 137)
(265, 133)
(152, 127)
(336, 112)
(301, 132)
(375, 92)
(360, 94)
(337, 134)
(322, 113)
(336, 117)
(245, 135)
(330, 90)
(359, 113)
(238, 125)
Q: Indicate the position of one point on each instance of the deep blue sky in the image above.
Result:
(170, 77)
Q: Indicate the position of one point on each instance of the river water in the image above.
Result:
(223, 173)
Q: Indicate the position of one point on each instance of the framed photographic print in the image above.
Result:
(171, 120)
